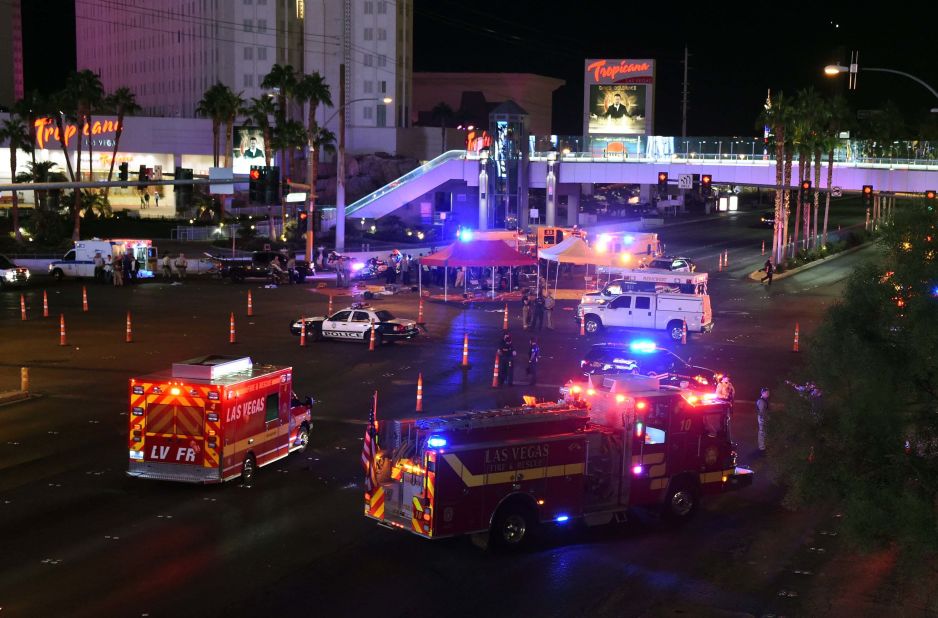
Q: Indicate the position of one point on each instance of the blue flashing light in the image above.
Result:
(436, 442)
(629, 239)
(934, 291)
(465, 235)
(642, 346)
(562, 519)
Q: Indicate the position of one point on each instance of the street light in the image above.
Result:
(833, 70)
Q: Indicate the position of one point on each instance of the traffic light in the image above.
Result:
(183, 192)
(142, 176)
(805, 190)
(301, 214)
(706, 184)
(930, 194)
(124, 173)
(868, 194)
(256, 183)
(662, 183)
(272, 193)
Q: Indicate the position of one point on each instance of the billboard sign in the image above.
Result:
(248, 149)
(618, 97)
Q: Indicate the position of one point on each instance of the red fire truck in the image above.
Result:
(214, 418)
(592, 456)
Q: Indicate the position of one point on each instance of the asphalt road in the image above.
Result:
(79, 538)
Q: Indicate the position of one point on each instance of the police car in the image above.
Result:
(645, 357)
(354, 323)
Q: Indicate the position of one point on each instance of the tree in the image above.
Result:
(95, 205)
(869, 443)
(30, 108)
(210, 106)
(838, 115)
(121, 102)
(41, 172)
(230, 104)
(442, 114)
(313, 91)
(259, 112)
(17, 136)
(776, 115)
(282, 80)
(46, 223)
(85, 92)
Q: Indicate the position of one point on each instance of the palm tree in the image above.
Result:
(259, 111)
(776, 115)
(838, 115)
(122, 102)
(63, 103)
(95, 205)
(30, 108)
(229, 104)
(87, 93)
(210, 106)
(41, 171)
(13, 132)
(282, 78)
(314, 91)
(442, 114)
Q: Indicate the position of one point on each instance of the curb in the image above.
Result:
(13, 396)
(756, 276)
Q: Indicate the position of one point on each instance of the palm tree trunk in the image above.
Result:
(117, 141)
(817, 195)
(827, 201)
(90, 150)
(76, 194)
(68, 162)
(777, 247)
(32, 137)
(797, 229)
(229, 128)
(789, 154)
(216, 130)
(16, 197)
(267, 146)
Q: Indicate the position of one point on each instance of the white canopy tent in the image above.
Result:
(572, 250)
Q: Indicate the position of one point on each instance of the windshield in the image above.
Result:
(6, 263)
(665, 264)
(384, 315)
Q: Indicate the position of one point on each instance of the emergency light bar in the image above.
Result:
(642, 346)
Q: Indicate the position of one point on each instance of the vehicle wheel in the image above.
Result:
(247, 471)
(592, 325)
(302, 438)
(315, 333)
(681, 503)
(512, 527)
(676, 330)
(57, 274)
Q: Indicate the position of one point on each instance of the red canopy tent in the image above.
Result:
(479, 253)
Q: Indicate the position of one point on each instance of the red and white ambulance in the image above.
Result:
(214, 418)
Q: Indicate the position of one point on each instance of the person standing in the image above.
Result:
(127, 266)
(549, 310)
(181, 265)
(506, 354)
(98, 268)
(769, 270)
(146, 199)
(762, 416)
(538, 320)
(291, 269)
(117, 266)
(167, 269)
(460, 278)
(534, 355)
(156, 198)
(525, 309)
(108, 270)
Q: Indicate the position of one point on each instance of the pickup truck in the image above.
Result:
(650, 310)
(257, 266)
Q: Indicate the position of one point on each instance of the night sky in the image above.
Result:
(737, 53)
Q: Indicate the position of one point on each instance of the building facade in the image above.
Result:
(11, 53)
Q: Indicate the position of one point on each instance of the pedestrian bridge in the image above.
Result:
(914, 171)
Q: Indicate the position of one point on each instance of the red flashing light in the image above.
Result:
(255, 174)
(641, 405)
(930, 195)
(867, 190)
(806, 185)
(706, 180)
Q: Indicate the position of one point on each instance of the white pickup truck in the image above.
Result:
(650, 310)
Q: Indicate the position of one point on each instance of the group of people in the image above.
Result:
(115, 270)
(506, 361)
(174, 267)
(283, 269)
(534, 311)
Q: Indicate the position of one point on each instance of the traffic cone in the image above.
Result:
(811, 455)
(84, 299)
(130, 331)
(582, 326)
(505, 321)
(719, 262)
(495, 373)
(794, 347)
(465, 351)
(22, 307)
(420, 313)
(302, 332)
(45, 304)
(329, 312)
(371, 342)
(250, 304)
(726, 258)
(683, 332)
(763, 247)
(62, 329)
(419, 392)
(231, 329)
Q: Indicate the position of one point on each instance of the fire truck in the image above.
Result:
(592, 456)
(214, 418)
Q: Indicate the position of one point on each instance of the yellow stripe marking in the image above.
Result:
(527, 474)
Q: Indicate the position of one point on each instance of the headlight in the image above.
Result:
(11, 275)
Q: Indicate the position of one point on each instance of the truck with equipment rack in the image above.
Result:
(214, 418)
(593, 456)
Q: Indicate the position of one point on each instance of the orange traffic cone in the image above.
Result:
(495, 373)
(505, 321)
(582, 326)
(329, 312)
(719, 262)
(84, 298)
(62, 329)
(130, 331)
(302, 332)
(22, 307)
(45, 304)
(419, 392)
(250, 304)
(726, 258)
(683, 332)
(371, 342)
(465, 351)
(794, 347)
(763, 247)
(231, 329)
(420, 313)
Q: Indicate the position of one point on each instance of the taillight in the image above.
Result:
(399, 327)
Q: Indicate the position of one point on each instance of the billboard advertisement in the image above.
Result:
(248, 149)
(619, 97)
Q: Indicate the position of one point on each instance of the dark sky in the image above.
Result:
(737, 51)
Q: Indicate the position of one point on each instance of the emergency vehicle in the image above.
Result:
(648, 280)
(355, 323)
(592, 456)
(644, 246)
(79, 260)
(214, 418)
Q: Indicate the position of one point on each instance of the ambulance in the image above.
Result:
(79, 260)
(648, 280)
(214, 418)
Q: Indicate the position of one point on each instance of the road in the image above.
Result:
(82, 539)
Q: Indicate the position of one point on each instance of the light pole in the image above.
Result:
(483, 189)
(340, 162)
(832, 70)
(551, 188)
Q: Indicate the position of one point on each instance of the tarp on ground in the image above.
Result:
(573, 250)
(487, 253)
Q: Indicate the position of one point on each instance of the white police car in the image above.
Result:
(354, 324)
(11, 274)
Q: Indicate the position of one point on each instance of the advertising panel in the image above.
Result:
(248, 149)
(619, 97)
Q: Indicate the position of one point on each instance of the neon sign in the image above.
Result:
(601, 72)
(47, 131)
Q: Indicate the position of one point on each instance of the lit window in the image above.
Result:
(654, 435)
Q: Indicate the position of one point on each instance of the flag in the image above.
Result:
(369, 446)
